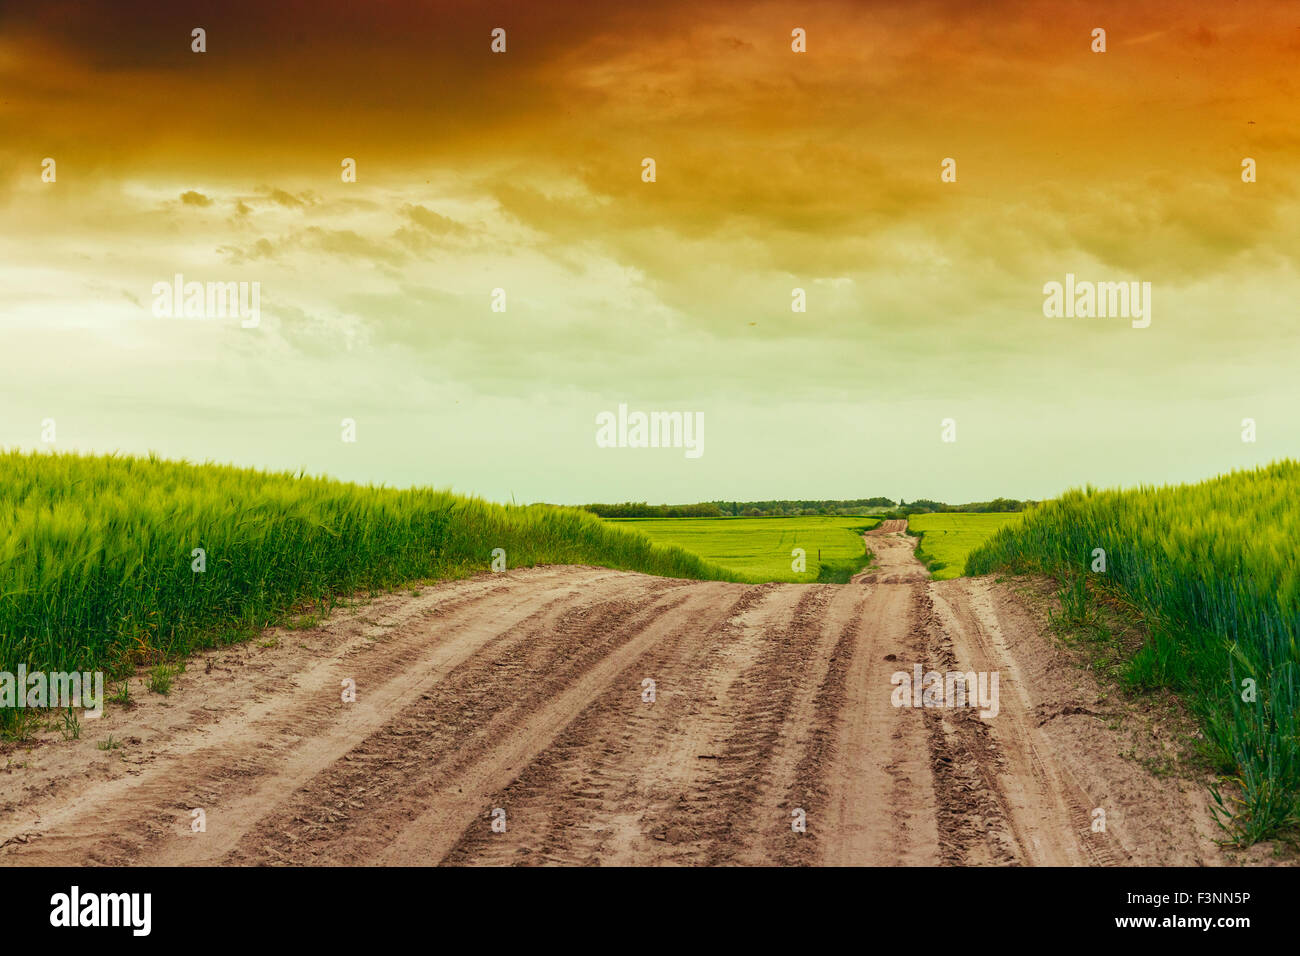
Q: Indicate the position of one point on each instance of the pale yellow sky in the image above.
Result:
(775, 170)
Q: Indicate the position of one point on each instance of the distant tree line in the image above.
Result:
(639, 509)
(767, 509)
(927, 506)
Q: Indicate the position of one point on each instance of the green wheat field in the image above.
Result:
(1213, 570)
(947, 539)
(761, 549)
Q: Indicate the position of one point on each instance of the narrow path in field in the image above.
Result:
(895, 561)
(612, 718)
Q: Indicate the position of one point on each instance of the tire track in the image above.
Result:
(405, 791)
(880, 799)
(1045, 818)
(806, 733)
(681, 782)
(625, 783)
(266, 740)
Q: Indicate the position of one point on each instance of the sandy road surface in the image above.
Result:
(524, 691)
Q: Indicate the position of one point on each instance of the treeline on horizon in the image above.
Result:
(771, 509)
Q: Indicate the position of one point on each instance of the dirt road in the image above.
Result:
(529, 692)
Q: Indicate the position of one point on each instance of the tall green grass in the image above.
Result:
(1213, 568)
(96, 553)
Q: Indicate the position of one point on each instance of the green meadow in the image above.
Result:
(946, 539)
(760, 549)
(1213, 572)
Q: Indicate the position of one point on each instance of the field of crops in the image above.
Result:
(109, 562)
(759, 549)
(947, 539)
(1214, 569)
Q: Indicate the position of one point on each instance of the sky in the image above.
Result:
(774, 170)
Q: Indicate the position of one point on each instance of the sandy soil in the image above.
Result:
(524, 691)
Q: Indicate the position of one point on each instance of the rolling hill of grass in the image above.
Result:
(760, 549)
(1214, 571)
(99, 567)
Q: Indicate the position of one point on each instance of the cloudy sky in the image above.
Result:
(775, 170)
